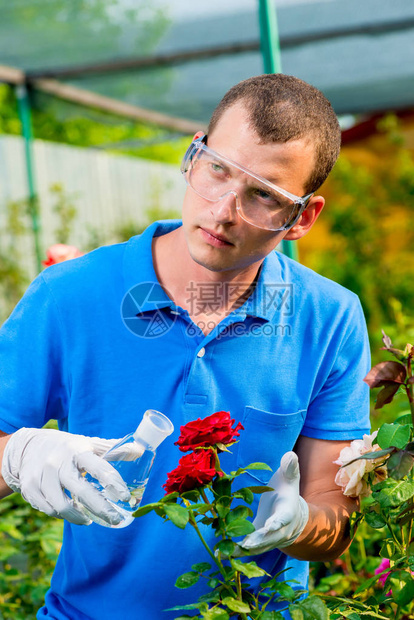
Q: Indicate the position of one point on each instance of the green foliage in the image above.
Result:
(66, 211)
(228, 578)
(29, 545)
(366, 234)
(349, 584)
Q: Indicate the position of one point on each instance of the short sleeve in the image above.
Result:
(32, 385)
(340, 408)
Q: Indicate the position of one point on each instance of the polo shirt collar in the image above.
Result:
(138, 268)
(264, 302)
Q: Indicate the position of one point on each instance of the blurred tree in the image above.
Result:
(60, 34)
(365, 236)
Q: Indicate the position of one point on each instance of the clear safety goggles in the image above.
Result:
(258, 202)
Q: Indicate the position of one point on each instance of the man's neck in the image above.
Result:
(202, 292)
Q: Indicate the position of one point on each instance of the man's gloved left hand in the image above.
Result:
(282, 513)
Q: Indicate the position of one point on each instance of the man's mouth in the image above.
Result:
(215, 238)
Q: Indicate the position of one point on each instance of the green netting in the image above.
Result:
(361, 54)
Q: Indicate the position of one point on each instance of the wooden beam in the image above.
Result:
(10, 75)
(113, 106)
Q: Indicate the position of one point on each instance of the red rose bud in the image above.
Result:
(194, 470)
(214, 429)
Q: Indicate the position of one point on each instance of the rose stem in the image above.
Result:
(211, 554)
(409, 387)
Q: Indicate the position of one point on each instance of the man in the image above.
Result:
(281, 348)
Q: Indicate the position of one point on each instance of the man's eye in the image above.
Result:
(216, 167)
(266, 197)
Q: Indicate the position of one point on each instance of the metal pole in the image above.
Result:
(23, 102)
(270, 48)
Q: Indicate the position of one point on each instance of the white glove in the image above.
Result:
(42, 463)
(282, 513)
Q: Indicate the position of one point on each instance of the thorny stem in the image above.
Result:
(212, 510)
(239, 593)
(206, 500)
(215, 559)
(207, 548)
(409, 388)
(397, 542)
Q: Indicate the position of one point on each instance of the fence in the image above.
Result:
(107, 190)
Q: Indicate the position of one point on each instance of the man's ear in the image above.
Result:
(307, 219)
(198, 135)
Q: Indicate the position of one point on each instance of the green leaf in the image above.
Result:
(201, 567)
(312, 608)
(240, 527)
(246, 494)
(179, 515)
(241, 512)
(402, 587)
(388, 549)
(222, 509)
(393, 435)
(405, 418)
(192, 496)
(271, 615)
(393, 493)
(375, 454)
(354, 520)
(143, 510)
(400, 464)
(260, 489)
(201, 509)
(213, 583)
(406, 515)
(374, 520)
(186, 580)
(180, 607)
(210, 597)
(250, 569)
(170, 497)
(285, 591)
(258, 466)
(222, 487)
(215, 614)
(235, 605)
(226, 547)
(366, 584)
(8, 551)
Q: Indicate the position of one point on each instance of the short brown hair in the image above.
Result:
(282, 108)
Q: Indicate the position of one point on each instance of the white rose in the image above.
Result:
(353, 478)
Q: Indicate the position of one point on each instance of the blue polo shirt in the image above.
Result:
(95, 342)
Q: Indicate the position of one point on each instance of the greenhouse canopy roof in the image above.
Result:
(179, 57)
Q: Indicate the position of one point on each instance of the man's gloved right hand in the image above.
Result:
(42, 463)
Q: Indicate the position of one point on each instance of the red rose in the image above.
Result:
(214, 429)
(194, 470)
(60, 252)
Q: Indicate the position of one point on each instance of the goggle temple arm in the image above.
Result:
(190, 152)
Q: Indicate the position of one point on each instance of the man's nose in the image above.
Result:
(224, 210)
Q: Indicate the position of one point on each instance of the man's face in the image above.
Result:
(217, 237)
